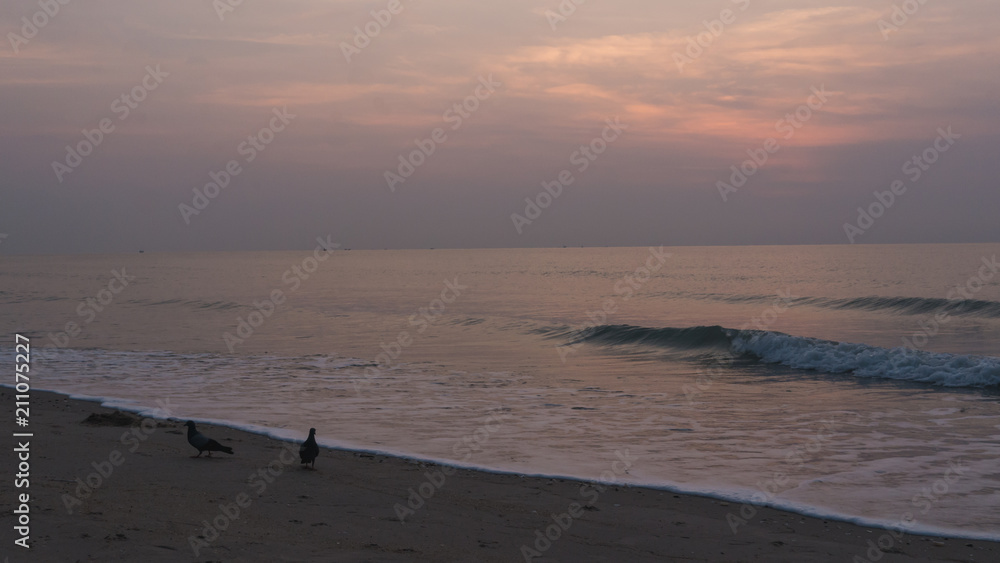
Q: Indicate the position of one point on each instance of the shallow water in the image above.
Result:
(488, 359)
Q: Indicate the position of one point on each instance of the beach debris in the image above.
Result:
(309, 450)
(116, 418)
(204, 443)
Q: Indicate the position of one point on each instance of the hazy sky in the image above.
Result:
(693, 96)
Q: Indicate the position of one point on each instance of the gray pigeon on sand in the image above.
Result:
(204, 443)
(309, 450)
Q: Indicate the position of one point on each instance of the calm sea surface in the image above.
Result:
(858, 382)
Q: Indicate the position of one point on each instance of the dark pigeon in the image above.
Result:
(309, 450)
(203, 443)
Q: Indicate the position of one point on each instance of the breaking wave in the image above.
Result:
(800, 352)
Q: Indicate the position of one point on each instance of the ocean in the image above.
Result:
(851, 382)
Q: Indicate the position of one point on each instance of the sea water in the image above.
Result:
(855, 382)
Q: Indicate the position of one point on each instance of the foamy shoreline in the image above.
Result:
(158, 499)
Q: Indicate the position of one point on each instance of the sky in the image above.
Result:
(206, 125)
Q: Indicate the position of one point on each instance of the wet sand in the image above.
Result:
(154, 500)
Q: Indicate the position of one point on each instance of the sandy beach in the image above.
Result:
(147, 499)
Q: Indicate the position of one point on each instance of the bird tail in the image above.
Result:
(227, 450)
